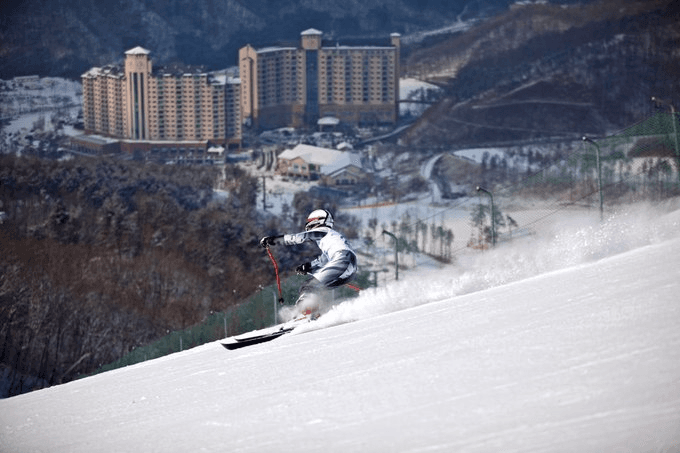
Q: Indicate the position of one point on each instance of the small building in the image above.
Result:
(32, 82)
(347, 175)
(332, 167)
(96, 145)
(328, 122)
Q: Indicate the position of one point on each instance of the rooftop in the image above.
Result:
(108, 70)
(329, 160)
(138, 51)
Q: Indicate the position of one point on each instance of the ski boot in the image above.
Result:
(313, 315)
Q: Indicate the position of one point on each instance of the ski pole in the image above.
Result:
(276, 270)
(355, 288)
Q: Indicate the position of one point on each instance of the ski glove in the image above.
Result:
(303, 269)
(268, 240)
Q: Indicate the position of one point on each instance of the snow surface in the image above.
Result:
(562, 343)
(26, 103)
(410, 88)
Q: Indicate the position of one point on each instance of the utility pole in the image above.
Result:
(396, 254)
(675, 131)
(264, 194)
(599, 174)
(493, 218)
(276, 308)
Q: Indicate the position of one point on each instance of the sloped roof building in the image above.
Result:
(314, 163)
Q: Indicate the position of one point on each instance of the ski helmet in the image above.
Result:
(317, 218)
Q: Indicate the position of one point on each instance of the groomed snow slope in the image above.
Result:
(572, 344)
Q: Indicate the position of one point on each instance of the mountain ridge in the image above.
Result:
(65, 38)
(613, 60)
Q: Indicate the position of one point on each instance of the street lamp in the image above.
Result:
(396, 254)
(599, 173)
(493, 223)
(675, 130)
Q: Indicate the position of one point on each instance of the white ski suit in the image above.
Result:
(337, 263)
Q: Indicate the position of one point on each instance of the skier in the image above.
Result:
(336, 265)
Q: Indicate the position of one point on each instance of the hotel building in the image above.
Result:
(158, 107)
(296, 86)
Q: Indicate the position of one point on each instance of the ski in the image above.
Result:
(263, 335)
(241, 342)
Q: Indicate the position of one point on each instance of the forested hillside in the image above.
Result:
(544, 71)
(100, 256)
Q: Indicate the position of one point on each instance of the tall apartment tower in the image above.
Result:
(137, 75)
(104, 102)
(142, 103)
(295, 86)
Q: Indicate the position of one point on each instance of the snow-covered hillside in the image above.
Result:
(566, 342)
(23, 103)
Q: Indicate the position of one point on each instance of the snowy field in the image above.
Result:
(413, 89)
(565, 343)
(24, 104)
